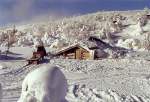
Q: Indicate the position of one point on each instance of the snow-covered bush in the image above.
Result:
(129, 43)
(58, 44)
(45, 84)
(24, 41)
(38, 30)
(47, 39)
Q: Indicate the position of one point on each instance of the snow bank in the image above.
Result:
(45, 84)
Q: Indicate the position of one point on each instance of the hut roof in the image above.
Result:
(90, 44)
(100, 43)
(73, 46)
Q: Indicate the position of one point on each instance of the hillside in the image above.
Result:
(128, 29)
(123, 76)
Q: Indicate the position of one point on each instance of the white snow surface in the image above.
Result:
(107, 80)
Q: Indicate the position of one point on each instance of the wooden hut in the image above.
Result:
(76, 51)
(148, 16)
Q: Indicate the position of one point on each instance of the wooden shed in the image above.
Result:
(148, 16)
(76, 51)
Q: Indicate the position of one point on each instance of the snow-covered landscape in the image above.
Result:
(120, 72)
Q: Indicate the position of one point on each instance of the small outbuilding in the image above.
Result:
(76, 51)
(148, 16)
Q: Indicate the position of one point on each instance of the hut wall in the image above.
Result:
(82, 54)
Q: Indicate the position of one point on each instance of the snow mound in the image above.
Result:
(45, 84)
(2, 66)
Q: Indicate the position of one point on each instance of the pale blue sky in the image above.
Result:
(20, 10)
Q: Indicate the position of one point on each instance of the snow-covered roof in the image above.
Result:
(90, 44)
(148, 14)
(73, 46)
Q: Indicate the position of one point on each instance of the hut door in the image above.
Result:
(78, 54)
(81, 54)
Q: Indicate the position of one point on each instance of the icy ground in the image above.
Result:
(107, 80)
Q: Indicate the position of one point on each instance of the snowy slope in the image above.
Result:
(106, 80)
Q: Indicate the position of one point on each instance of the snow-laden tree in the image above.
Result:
(142, 17)
(45, 38)
(116, 22)
(146, 41)
(29, 36)
(45, 84)
(107, 32)
(38, 30)
(146, 11)
(58, 44)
